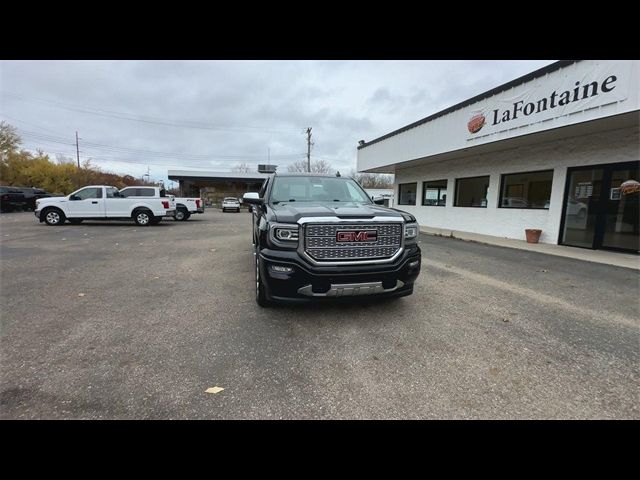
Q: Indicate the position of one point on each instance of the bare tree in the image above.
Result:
(242, 168)
(317, 166)
(373, 180)
(63, 159)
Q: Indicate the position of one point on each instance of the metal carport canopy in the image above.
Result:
(215, 176)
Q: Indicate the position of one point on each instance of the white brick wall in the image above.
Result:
(604, 147)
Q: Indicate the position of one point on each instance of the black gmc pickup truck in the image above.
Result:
(319, 237)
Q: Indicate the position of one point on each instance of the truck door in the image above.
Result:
(116, 205)
(87, 203)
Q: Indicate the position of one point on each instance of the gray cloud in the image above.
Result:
(251, 106)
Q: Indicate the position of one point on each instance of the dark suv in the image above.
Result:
(11, 199)
(318, 237)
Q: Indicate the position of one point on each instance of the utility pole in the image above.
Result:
(309, 149)
(77, 150)
(147, 174)
(268, 156)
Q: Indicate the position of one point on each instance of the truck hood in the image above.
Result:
(42, 201)
(291, 212)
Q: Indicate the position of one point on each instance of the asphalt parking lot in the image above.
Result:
(111, 320)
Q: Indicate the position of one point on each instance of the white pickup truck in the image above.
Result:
(103, 202)
(187, 206)
(184, 207)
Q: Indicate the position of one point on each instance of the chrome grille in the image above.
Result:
(321, 245)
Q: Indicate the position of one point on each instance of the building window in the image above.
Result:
(526, 190)
(472, 192)
(434, 193)
(407, 193)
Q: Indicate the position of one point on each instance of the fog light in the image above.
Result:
(281, 269)
(414, 264)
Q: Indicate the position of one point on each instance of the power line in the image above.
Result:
(149, 119)
(111, 159)
(136, 151)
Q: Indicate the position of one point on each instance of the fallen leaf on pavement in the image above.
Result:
(214, 390)
(81, 294)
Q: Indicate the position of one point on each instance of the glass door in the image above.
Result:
(581, 206)
(602, 207)
(621, 213)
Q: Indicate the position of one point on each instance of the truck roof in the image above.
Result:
(306, 174)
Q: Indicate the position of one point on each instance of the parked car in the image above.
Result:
(11, 199)
(320, 237)
(186, 206)
(103, 202)
(515, 202)
(231, 203)
(579, 209)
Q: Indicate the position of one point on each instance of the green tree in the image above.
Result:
(9, 138)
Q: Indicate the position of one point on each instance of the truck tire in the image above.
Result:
(261, 294)
(155, 220)
(75, 221)
(187, 216)
(53, 216)
(181, 214)
(142, 217)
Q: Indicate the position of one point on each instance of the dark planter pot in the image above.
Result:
(533, 235)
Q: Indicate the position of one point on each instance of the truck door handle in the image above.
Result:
(94, 202)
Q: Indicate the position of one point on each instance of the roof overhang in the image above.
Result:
(631, 119)
(209, 176)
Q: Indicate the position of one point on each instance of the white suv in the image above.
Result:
(231, 203)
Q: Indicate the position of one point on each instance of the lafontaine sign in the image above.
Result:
(545, 99)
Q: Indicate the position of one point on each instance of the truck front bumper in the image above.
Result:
(287, 278)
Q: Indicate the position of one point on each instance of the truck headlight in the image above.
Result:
(285, 235)
(410, 232)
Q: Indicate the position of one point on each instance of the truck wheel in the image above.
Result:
(187, 216)
(180, 214)
(261, 296)
(142, 218)
(53, 217)
(75, 221)
(156, 220)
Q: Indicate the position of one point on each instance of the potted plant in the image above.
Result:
(533, 235)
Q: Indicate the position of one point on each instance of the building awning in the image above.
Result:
(210, 176)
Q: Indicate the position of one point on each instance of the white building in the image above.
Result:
(557, 150)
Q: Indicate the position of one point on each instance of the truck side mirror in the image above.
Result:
(253, 198)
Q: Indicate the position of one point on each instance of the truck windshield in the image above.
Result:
(317, 189)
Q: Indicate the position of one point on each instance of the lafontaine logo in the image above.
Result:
(476, 123)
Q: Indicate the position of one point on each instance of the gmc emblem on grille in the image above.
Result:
(357, 236)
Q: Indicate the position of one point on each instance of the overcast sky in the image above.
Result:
(217, 114)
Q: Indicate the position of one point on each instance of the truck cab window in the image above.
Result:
(86, 193)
